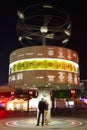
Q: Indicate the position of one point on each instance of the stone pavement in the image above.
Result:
(57, 123)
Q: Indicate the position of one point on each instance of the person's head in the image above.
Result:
(42, 99)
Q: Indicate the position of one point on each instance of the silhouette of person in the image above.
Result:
(46, 113)
(41, 107)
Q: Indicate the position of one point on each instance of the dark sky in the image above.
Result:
(8, 37)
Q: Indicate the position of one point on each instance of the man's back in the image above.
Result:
(41, 105)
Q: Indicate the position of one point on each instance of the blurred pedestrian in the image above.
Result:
(41, 107)
(46, 113)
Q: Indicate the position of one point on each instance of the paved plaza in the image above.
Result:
(58, 123)
(77, 120)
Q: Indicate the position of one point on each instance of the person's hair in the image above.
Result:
(42, 98)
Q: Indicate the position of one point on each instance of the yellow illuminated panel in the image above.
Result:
(51, 64)
(44, 64)
(39, 64)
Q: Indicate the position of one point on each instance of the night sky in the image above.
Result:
(77, 11)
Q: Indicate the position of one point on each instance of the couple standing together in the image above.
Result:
(43, 110)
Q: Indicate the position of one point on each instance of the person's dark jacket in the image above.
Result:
(42, 105)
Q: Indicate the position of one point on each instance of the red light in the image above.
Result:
(12, 93)
(72, 91)
(30, 92)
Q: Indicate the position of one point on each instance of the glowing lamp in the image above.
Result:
(44, 29)
(73, 93)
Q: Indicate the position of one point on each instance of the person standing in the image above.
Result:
(41, 107)
(46, 113)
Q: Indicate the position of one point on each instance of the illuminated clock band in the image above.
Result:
(43, 64)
